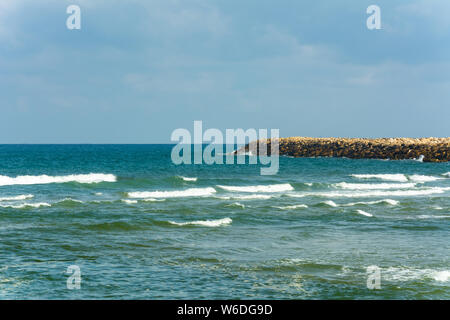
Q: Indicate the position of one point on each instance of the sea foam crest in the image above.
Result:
(423, 178)
(293, 207)
(408, 274)
(246, 197)
(361, 212)
(373, 193)
(374, 186)
(193, 179)
(260, 188)
(26, 205)
(44, 179)
(17, 198)
(388, 201)
(205, 223)
(399, 177)
(192, 192)
(330, 203)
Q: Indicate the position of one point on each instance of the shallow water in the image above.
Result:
(140, 227)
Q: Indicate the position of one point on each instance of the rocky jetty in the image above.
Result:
(426, 149)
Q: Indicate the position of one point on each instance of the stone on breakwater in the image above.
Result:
(432, 149)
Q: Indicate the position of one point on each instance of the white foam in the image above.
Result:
(70, 200)
(246, 197)
(44, 179)
(260, 188)
(27, 205)
(17, 198)
(408, 274)
(364, 213)
(205, 223)
(193, 192)
(442, 276)
(127, 201)
(388, 177)
(426, 216)
(236, 204)
(446, 174)
(388, 201)
(153, 200)
(422, 178)
(188, 179)
(292, 207)
(330, 203)
(373, 193)
(98, 194)
(374, 186)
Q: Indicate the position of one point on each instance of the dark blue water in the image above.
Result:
(140, 227)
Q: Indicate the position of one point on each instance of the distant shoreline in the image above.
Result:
(423, 149)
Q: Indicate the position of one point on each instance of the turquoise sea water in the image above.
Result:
(140, 227)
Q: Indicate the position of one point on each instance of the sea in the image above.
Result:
(125, 222)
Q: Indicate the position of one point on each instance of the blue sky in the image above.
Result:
(139, 69)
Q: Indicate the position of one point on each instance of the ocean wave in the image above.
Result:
(427, 216)
(236, 204)
(399, 177)
(296, 206)
(188, 179)
(388, 201)
(26, 205)
(127, 201)
(423, 178)
(193, 192)
(372, 193)
(361, 212)
(17, 198)
(447, 174)
(205, 223)
(374, 186)
(246, 197)
(44, 179)
(260, 188)
(330, 203)
(408, 274)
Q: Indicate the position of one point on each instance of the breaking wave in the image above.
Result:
(193, 179)
(399, 177)
(388, 201)
(26, 205)
(374, 186)
(372, 193)
(260, 188)
(44, 179)
(297, 206)
(246, 197)
(193, 192)
(330, 203)
(408, 274)
(17, 198)
(422, 178)
(205, 223)
(361, 212)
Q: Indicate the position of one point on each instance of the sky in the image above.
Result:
(139, 69)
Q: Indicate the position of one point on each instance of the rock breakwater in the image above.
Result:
(425, 149)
